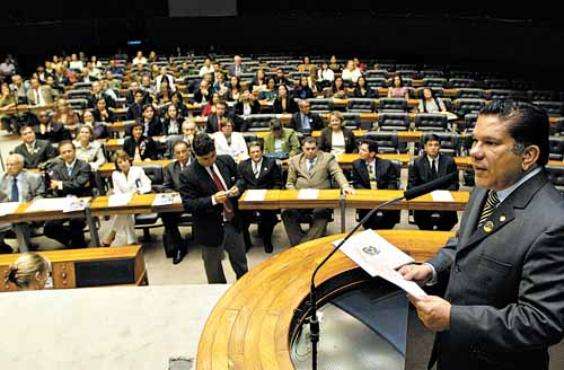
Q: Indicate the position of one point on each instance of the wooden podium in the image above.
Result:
(251, 327)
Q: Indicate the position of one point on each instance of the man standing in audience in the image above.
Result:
(430, 166)
(174, 244)
(236, 68)
(260, 172)
(210, 188)
(504, 300)
(35, 152)
(18, 185)
(311, 169)
(39, 95)
(371, 172)
(304, 121)
(70, 176)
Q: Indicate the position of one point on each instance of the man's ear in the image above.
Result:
(530, 156)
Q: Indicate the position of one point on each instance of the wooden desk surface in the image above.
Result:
(107, 168)
(278, 199)
(139, 203)
(249, 327)
(79, 255)
(24, 214)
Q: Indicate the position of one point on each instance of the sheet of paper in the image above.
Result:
(117, 200)
(255, 195)
(394, 277)
(442, 196)
(310, 194)
(164, 199)
(75, 204)
(48, 204)
(8, 208)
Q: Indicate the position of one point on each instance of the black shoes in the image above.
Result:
(178, 256)
(5, 248)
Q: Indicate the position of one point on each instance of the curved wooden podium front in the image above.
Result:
(249, 328)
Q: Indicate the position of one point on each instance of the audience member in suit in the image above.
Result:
(164, 75)
(504, 271)
(281, 79)
(102, 113)
(284, 103)
(236, 68)
(96, 94)
(130, 94)
(174, 244)
(138, 146)
(151, 124)
(39, 94)
(260, 172)
(281, 142)
(362, 90)
(172, 121)
(189, 129)
(228, 142)
(371, 172)
(204, 93)
(426, 168)
(135, 109)
(70, 176)
(336, 139)
(35, 152)
(303, 91)
(212, 123)
(311, 169)
(247, 104)
(126, 179)
(210, 188)
(304, 121)
(18, 185)
(49, 130)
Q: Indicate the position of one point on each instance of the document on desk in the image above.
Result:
(442, 196)
(378, 257)
(255, 195)
(308, 194)
(75, 204)
(48, 204)
(118, 200)
(8, 208)
(165, 199)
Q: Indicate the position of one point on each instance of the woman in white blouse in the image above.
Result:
(335, 138)
(126, 179)
(87, 149)
(230, 143)
(207, 67)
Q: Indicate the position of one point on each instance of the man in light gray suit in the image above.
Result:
(311, 169)
(18, 185)
(504, 300)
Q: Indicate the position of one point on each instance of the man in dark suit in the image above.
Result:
(371, 172)
(209, 188)
(174, 244)
(236, 68)
(70, 176)
(259, 172)
(135, 109)
(304, 121)
(504, 301)
(426, 168)
(97, 93)
(130, 94)
(212, 123)
(35, 152)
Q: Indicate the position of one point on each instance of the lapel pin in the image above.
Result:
(488, 226)
(502, 218)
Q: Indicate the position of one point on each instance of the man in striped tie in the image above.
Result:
(504, 272)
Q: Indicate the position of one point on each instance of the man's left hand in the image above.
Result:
(433, 311)
(348, 191)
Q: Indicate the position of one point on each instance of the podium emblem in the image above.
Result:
(371, 250)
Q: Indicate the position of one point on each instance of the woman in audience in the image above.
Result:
(234, 89)
(333, 65)
(270, 92)
(204, 93)
(178, 100)
(259, 82)
(303, 91)
(281, 142)
(207, 67)
(29, 272)
(171, 122)
(362, 90)
(210, 107)
(165, 94)
(99, 128)
(305, 66)
(398, 90)
(312, 79)
(228, 142)
(150, 122)
(138, 146)
(350, 73)
(429, 103)
(325, 76)
(152, 57)
(102, 113)
(219, 85)
(338, 90)
(7, 102)
(126, 179)
(65, 116)
(284, 103)
(335, 138)
(247, 104)
(88, 149)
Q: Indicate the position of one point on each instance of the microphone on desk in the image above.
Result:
(414, 192)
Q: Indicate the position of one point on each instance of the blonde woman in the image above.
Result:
(29, 272)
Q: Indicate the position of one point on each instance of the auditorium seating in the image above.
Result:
(431, 122)
(393, 121)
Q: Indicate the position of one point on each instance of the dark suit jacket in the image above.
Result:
(506, 286)
(98, 116)
(172, 176)
(420, 171)
(314, 121)
(212, 123)
(270, 176)
(255, 108)
(291, 106)
(325, 140)
(78, 183)
(148, 147)
(92, 100)
(135, 111)
(386, 175)
(58, 133)
(43, 152)
(197, 188)
(130, 98)
(155, 127)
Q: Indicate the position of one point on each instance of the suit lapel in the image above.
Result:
(205, 177)
(363, 171)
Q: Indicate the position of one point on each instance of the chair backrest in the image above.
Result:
(376, 82)
(496, 83)
(557, 128)
(393, 121)
(457, 74)
(258, 122)
(464, 106)
(434, 82)
(376, 73)
(556, 176)
(468, 93)
(470, 121)
(498, 94)
(364, 105)
(552, 108)
(155, 173)
(432, 74)
(556, 147)
(540, 95)
(387, 141)
(407, 73)
(394, 105)
(461, 83)
(320, 105)
(431, 122)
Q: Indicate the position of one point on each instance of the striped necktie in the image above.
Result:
(489, 207)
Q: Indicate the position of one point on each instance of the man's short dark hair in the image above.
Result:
(528, 125)
(372, 145)
(430, 137)
(26, 126)
(256, 143)
(309, 140)
(275, 125)
(203, 145)
(180, 142)
(65, 142)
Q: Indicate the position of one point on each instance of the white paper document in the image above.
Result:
(117, 200)
(442, 196)
(255, 195)
(8, 208)
(310, 194)
(378, 257)
(75, 204)
(164, 199)
(48, 204)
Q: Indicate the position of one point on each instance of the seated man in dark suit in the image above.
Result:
(98, 93)
(428, 167)
(35, 152)
(259, 172)
(212, 123)
(174, 245)
(135, 109)
(304, 121)
(371, 172)
(209, 188)
(70, 176)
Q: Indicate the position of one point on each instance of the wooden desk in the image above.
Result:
(365, 198)
(279, 199)
(24, 214)
(249, 327)
(139, 203)
(345, 160)
(107, 168)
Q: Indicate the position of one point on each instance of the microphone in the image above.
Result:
(407, 195)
